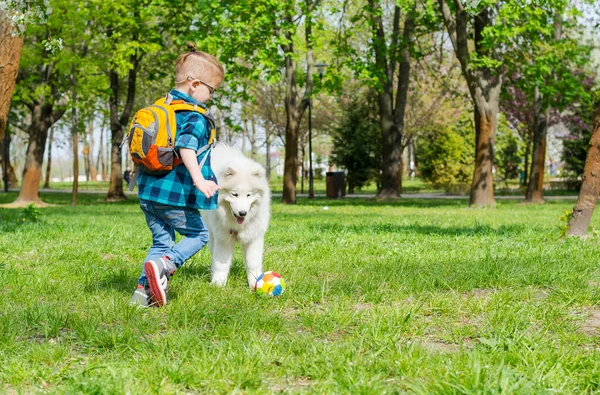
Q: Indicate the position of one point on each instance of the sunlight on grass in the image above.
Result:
(423, 296)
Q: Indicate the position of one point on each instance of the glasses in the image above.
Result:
(211, 89)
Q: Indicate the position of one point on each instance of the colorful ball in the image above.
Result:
(269, 283)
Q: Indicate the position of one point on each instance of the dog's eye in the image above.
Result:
(249, 195)
(234, 194)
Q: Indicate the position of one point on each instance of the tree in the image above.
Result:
(481, 69)
(357, 142)
(383, 62)
(41, 89)
(590, 187)
(11, 44)
(295, 109)
(14, 16)
(390, 52)
(74, 135)
(286, 31)
(542, 78)
(129, 31)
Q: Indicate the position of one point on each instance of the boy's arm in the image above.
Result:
(190, 161)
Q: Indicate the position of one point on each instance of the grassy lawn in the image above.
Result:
(409, 186)
(276, 184)
(419, 296)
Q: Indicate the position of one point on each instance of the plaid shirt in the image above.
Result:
(176, 188)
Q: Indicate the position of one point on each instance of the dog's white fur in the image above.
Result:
(243, 188)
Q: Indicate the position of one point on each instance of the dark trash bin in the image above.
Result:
(335, 182)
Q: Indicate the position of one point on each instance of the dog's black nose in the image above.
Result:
(243, 213)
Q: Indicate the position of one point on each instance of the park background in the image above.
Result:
(462, 129)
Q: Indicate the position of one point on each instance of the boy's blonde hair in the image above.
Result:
(200, 65)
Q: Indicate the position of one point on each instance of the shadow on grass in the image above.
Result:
(401, 202)
(64, 198)
(477, 230)
(201, 269)
(119, 280)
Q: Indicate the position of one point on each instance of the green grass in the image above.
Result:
(276, 184)
(408, 187)
(419, 296)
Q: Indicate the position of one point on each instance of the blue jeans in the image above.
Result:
(163, 222)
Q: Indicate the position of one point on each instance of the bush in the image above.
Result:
(446, 155)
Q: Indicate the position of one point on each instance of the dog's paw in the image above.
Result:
(219, 281)
(252, 279)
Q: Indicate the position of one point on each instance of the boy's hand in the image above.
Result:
(207, 187)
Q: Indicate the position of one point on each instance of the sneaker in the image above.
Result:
(158, 273)
(141, 297)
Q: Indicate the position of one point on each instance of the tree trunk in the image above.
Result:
(92, 168)
(392, 138)
(106, 161)
(302, 167)
(400, 172)
(100, 162)
(49, 163)
(392, 114)
(484, 87)
(293, 109)
(290, 169)
(117, 124)
(482, 185)
(528, 141)
(120, 121)
(253, 146)
(75, 136)
(10, 54)
(11, 173)
(115, 189)
(409, 159)
(244, 135)
(535, 187)
(42, 119)
(590, 187)
(268, 151)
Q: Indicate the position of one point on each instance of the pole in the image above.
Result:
(5, 161)
(311, 189)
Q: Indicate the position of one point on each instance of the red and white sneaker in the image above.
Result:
(159, 273)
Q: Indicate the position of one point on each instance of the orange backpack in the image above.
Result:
(152, 135)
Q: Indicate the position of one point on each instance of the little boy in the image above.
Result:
(171, 202)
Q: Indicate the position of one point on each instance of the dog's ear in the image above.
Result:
(259, 172)
(230, 172)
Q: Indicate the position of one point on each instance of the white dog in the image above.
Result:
(243, 213)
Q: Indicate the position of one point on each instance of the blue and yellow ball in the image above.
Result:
(269, 283)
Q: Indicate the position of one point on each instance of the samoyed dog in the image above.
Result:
(242, 216)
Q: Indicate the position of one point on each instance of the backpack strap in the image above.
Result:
(180, 105)
(134, 177)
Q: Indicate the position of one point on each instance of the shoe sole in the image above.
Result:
(156, 291)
